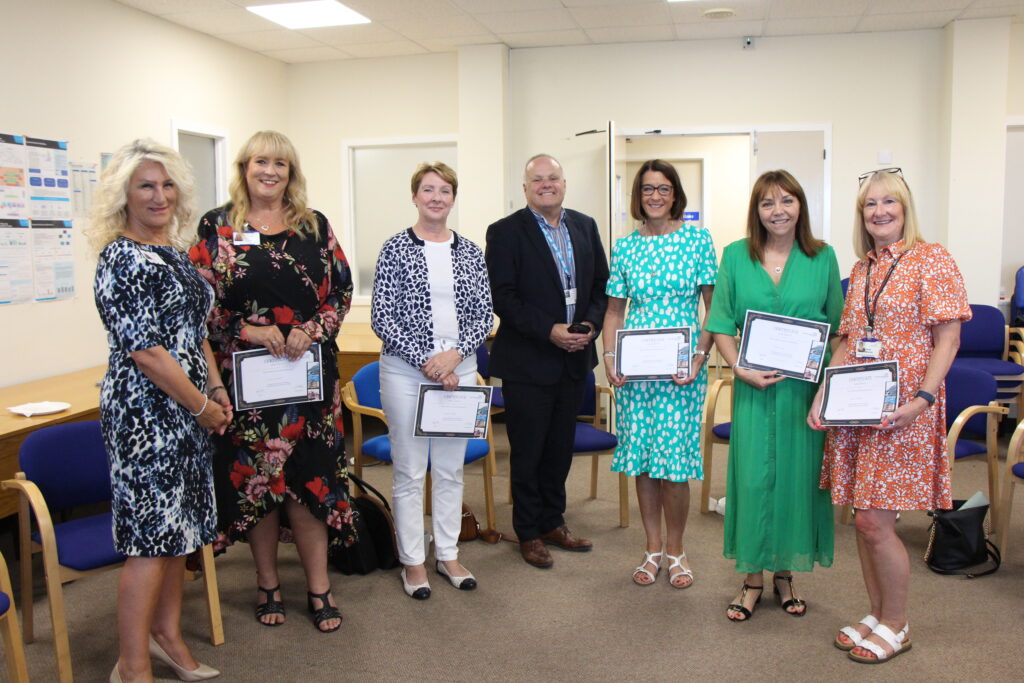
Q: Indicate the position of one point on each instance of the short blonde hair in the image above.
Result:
(441, 169)
(109, 215)
(892, 184)
(297, 215)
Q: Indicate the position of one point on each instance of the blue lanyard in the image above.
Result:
(558, 253)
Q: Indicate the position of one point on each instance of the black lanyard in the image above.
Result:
(870, 309)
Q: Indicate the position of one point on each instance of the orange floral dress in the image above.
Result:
(905, 469)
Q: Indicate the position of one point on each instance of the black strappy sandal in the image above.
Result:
(738, 607)
(793, 601)
(326, 612)
(271, 606)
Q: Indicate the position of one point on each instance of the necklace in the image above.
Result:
(778, 269)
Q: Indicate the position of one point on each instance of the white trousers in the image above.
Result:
(399, 390)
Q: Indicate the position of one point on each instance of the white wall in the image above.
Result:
(98, 74)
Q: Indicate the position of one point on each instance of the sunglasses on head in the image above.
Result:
(864, 176)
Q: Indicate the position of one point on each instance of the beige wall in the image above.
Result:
(98, 74)
(1015, 78)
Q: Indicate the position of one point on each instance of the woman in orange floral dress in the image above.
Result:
(909, 295)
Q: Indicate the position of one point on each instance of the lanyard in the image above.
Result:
(553, 244)
(870, 309)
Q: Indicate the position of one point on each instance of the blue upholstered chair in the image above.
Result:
(14, 651)
(845, 282)
(361, 396)
(985, 345)
(65, 466)
(483, 367)
(712, 433)
(1017, 300)
(1014, 475)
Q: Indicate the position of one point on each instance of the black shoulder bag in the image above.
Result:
(958, 542)
(375, 546)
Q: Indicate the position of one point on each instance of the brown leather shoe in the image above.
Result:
(564, 539)
(536, 553)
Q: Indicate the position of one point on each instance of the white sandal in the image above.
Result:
(899, 642)
(677, 562)
(851, 632)
(642, 569)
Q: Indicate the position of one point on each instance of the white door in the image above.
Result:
(802, 153)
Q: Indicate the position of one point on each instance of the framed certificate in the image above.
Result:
(262, 380)
(652, 355)
(860, 395)
(460, 413)
(793, 347)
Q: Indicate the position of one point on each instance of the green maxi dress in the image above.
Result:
(776, 516)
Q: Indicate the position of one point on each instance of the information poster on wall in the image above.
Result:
(53, 260)
(83, 184)
(49, 179)
(15, 261)
(13, 168)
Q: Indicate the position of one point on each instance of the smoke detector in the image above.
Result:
(719, 13)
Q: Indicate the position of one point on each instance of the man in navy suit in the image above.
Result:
(548, 273)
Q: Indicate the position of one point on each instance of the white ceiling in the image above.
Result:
(406, 27)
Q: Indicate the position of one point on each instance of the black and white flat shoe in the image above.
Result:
(418, 592)
(463, 583)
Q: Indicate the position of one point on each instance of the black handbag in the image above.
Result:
(958, 542)
(375, 546)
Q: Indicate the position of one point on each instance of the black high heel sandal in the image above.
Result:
(326, 612)
(738, 607)
(793, 601)
(271, 606)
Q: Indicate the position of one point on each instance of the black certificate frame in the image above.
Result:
(482, 422)
(682, 360)
(314, 380)
(889, 402)
(815, 360)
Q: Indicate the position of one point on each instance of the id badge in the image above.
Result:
(153, 258)
(248, 238)
(869, 348)
(570, 297)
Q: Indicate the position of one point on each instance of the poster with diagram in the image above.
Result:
(53, 260)
(15, 261)
(49, 179)
(13, 168)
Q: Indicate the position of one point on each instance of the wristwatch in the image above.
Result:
(930, 398)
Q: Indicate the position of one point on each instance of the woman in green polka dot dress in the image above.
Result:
(662, 269)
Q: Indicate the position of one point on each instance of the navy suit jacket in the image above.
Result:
(528, 297)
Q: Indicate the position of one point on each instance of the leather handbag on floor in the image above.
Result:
(470, 527)
(375, 546)
(958, 543)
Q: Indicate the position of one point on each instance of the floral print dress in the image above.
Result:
(295, 450)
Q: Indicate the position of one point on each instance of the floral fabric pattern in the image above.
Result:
(297, 450)
(903, 469)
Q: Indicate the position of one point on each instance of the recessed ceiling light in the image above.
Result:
(313, 14)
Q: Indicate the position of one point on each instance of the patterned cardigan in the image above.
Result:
(400, 312)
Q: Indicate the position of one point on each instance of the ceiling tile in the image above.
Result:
(718, 29)
(260, 41)
(307, 54)
(438, 27)
(630, 34)
(160, 7)
(454, 43)
(394, 48)
(906, 22)
(645, 14)
(799, 27)
(535, 21)
(544, 38)
(475, 6)
(746, 10)
(911, 6)
(978, 12)
(805, 9)
(606, 3)
(393, 10)
(221, 22)
(340, 36)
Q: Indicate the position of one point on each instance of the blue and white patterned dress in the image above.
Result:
(160, 470)
(658, 423)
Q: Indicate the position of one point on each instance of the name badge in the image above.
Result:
(869, 348)
(153, 258)
(570, 297)
(249, 237)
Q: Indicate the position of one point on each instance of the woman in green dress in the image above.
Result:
(662, 269)
(776, 517)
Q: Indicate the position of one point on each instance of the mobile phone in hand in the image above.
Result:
(579, 328)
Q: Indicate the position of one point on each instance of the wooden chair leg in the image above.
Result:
(489, 492)
(1003, 533)
(623, 500)
(705, 485)
(427, 488)
(593, 476)
(14, 650)
(55, 596)
(212, 596)
(846, 514)
(25, 569)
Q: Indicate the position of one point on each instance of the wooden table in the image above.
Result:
(357, 345)
(77, 388)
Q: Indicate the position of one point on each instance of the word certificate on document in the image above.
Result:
(459, 413)
(793, 347)
(262, 380)
(859, 395)
(651, 355)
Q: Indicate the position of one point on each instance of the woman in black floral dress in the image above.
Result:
(160, 395)
(281, 282)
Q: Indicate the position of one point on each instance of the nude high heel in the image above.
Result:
(200, 673)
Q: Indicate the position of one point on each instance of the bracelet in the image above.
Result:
(609, 354)
(304, 331)
(699, 352)
(206, 402)
(213, 391)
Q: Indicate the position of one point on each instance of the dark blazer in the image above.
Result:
(528, 297)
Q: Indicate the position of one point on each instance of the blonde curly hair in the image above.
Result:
(109, 215)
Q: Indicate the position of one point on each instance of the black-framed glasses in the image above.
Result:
(648, 190)
(864, 176)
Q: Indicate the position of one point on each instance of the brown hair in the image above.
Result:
(636, 208)
(441, 169)
(757, 234)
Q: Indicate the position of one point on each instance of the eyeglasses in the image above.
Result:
(864, 176)
(648, 190)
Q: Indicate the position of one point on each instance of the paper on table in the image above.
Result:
(40, 408)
